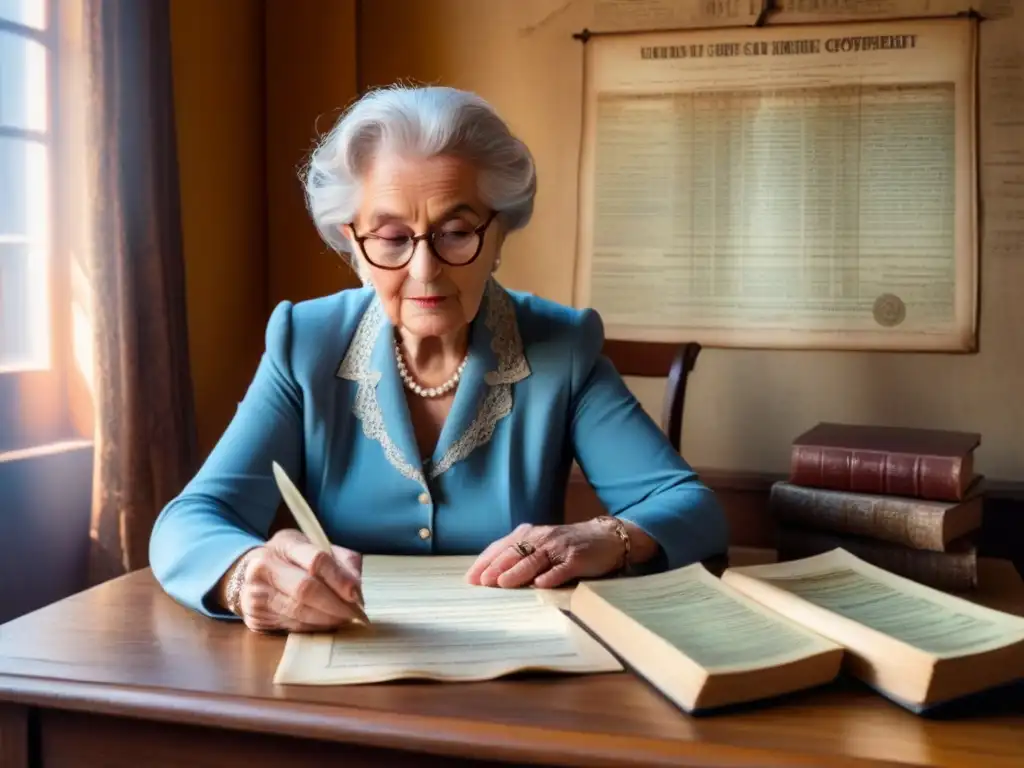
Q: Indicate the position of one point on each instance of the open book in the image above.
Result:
(916, 645)
(756, 633)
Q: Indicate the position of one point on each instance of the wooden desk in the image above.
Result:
(121, 676)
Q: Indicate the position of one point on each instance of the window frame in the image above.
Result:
(35, 403)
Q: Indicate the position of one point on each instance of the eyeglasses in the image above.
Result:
(457, 248)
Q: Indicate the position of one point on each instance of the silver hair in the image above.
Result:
(427, 121)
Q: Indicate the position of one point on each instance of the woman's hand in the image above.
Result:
(559, 554)
(291, 585)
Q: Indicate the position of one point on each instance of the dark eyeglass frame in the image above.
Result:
(429, 236)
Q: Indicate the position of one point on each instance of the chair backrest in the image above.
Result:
(658, 360)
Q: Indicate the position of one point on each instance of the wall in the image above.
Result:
(44, 526)
(311, 77)
(254, 83)
(743, 407)
(218, 51)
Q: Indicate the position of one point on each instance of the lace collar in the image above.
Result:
(483, 398)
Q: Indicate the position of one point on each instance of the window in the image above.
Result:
(32, 406)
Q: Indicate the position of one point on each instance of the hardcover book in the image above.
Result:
(895, 461)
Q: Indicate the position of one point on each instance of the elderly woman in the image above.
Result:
(431, 412)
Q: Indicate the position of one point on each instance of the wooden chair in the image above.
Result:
(659, 360)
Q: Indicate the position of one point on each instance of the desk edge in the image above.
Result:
(448, 736)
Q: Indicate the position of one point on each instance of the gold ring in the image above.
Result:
(525, 548)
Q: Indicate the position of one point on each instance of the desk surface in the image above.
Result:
(124, 648)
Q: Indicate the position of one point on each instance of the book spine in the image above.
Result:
(915, 524)
(949, 571)
(937, 478)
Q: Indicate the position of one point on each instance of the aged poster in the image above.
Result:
(818, 11)
(1001, 96)
(645, 15)
(795, 187)
(650, 15)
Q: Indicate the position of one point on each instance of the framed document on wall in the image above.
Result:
(808, 186)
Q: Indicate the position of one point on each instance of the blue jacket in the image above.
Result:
(328, 405)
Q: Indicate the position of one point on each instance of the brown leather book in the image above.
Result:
(896, 461)
(914, 523)
(955, 570)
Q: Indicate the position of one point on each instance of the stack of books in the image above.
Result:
(903, 499)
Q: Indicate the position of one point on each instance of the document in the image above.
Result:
(800, 187)
(653, 15)
(1002, 132)
(428, 622)
(818, 11)
(644, 15)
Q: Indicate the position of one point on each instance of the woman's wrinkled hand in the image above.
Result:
(290, 585)
(558, 553)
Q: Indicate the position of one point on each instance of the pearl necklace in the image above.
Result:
(413, 386)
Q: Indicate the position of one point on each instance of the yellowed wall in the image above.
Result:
(743, 407)
(254, 82)
(218, 53)
(311, 76)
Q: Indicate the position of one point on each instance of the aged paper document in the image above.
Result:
(427, 622)
(654, 15)
(1001, 95)
(817, 11)
(803, 187)
(645, 15)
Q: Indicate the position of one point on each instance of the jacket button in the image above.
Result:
(424, 498)
(424, 533)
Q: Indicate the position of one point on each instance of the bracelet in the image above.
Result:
(234, 589)
(620, 530)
